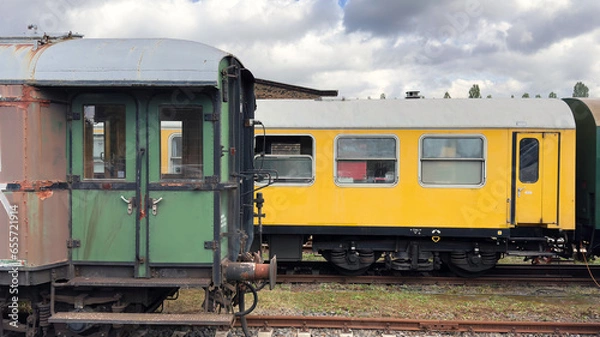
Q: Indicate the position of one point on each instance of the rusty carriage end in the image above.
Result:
(86, 157)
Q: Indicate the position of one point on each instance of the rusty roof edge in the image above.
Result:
(41, 38)
(324, 93)
(140, 83)
(129, 83)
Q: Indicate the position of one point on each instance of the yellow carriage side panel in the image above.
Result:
(406, 203)
(566, 186)
(410, 202)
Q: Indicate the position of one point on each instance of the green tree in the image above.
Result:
(474, 91)
(552, 94)
(525, 95)
(447, 95)
(488, 96)
(538, 96)
(382, 96)
(580, 90)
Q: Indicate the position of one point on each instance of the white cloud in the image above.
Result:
(542, 6)
(507, 47)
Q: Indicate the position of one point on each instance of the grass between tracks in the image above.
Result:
(451, 302)
(523, 302)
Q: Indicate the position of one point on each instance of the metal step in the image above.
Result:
(187, 282)
(211, 319)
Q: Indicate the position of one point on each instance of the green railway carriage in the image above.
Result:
(91, 229)
(587, 117)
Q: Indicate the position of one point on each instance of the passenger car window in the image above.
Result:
(452, 160)
(181, 139)
(175, 153)
(104, 141)
(285, 158)
(366, 160)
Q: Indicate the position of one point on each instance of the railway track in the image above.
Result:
(389, 326)
(429, 280)
(320, 272)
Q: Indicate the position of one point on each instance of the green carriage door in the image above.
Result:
(181, 212)
(103, 173)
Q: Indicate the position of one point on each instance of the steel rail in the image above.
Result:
(315, 272)
(431, 280)
(392, 324)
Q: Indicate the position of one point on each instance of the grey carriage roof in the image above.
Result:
(417, 113)
(118, 62)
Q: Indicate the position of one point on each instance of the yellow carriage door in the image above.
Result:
(535, 184)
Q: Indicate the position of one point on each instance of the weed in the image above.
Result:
(427, 302)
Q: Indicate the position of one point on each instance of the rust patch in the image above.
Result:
(142, 214)
(43, 195)
(22, 96)
(30, 94)
(41, 224)
(107, 186)
(36, 185)
(172, 184)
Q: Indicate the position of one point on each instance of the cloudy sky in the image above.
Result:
(362, 48)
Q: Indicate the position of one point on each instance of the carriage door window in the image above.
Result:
(181, 143)
(104, 141)
(529, 159)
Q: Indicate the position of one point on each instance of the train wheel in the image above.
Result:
(351, 263)
(470, 264)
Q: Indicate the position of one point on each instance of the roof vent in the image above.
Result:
(413, 94)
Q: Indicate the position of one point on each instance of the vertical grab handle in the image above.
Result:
(138, 174)
(130, 204)
(154, 204)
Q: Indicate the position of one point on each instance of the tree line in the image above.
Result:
(579, 90)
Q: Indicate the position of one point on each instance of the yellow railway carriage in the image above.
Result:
(422, 183)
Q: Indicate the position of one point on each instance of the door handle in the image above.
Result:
(154, 203)
(130, 204)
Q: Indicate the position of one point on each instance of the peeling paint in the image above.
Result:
(36, 185)
(173, 184)
(43, 195)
